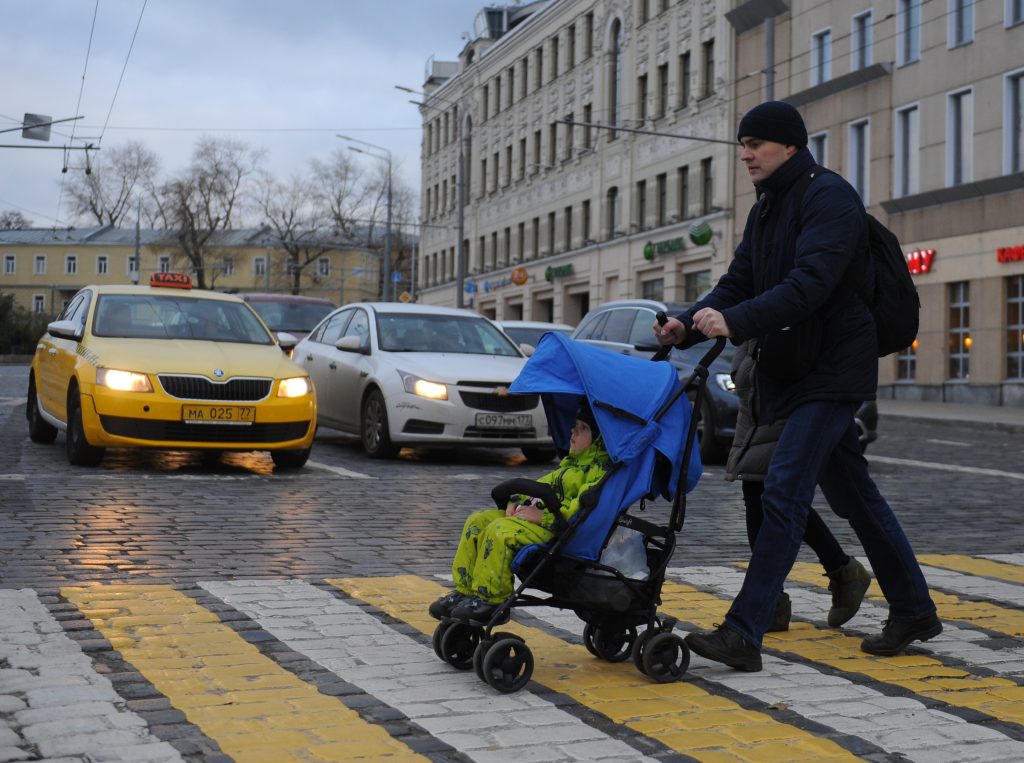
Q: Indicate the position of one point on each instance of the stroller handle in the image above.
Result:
(522, 486)
(709, 356)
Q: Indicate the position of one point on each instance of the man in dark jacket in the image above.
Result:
(792, 286)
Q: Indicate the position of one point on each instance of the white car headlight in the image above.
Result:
(123, 381)
(297, 386)
(725, 382)
(414, 385)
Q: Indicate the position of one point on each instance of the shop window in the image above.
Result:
(695, 284)
(959, 330)
(1015, 327)
(906, 363)
(653, 289)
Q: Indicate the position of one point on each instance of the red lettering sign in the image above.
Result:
(1010, 253)
(920, 261)
(172, 280)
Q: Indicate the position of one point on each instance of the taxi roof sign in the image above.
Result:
(171, 280)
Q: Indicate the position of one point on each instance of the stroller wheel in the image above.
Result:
(508, 665)
(435, 640)
(639, 644)
(485, 644)
(665, 657)
(614, 645)
(458, 643)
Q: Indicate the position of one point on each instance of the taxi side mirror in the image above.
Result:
(65, 329)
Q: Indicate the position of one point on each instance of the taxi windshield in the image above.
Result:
(175, 316)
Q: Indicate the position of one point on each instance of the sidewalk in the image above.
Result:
(1007, 418)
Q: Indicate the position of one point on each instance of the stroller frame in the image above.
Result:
(611, 604)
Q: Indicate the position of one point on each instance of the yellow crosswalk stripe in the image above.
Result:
(1009, 622)
(923, 675)
(986, 568)
(254, 709)
(680, 715)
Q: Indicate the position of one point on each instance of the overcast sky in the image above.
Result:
(284, 75)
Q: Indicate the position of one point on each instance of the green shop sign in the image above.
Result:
(558, 272)
(663, 247)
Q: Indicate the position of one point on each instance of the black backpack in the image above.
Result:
(894, 304)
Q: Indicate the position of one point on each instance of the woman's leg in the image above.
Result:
(752, 491)
(824, 543)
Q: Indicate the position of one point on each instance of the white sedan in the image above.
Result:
(413, 375)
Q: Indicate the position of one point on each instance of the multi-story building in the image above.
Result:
(556, 211)
(43, 268)
(920, 105)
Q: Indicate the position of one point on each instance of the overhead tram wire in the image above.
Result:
(124, 68)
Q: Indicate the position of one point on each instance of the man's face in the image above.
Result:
(763, 157)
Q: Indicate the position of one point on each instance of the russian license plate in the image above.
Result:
(218, 414)
(504, 420)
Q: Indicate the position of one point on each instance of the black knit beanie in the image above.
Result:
(586, 415)
(776, 121)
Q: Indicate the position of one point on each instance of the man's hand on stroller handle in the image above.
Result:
(669, 331)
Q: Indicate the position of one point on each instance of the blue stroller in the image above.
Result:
(644, 415)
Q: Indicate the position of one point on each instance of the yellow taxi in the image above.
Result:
(168, 366)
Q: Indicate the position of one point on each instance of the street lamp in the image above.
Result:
(460, 197)
(387, 229)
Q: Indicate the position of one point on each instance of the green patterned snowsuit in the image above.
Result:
(490, 540)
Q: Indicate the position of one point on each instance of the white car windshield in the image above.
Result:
(142, 316)
(290, 316)
(405, 332)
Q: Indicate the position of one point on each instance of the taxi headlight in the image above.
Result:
(417, 386)
(297, 386)
(123, 381)
(725, 382)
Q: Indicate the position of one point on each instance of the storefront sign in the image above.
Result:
(558, 272)
(496, 284)
(920, 261)
(519, 276)
(663, 247)
(1010, 253)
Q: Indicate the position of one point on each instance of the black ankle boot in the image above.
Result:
(783, 611)
(896, 635)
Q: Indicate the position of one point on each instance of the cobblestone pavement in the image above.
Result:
(167, 607)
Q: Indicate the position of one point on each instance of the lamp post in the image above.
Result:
(387, 228)
(460, 198)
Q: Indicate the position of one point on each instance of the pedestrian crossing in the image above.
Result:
(343, 669)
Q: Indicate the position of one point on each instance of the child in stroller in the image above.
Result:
(491, 538)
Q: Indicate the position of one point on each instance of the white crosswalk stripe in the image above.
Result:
(972, 585)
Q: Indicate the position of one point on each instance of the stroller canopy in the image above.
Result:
(625, 394)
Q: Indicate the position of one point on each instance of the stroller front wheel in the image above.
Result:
(508, 665)
(455, 643)
(665, 657)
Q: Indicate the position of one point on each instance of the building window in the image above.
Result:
(707, 187)
(640, 219)
(612, 212)
(536, 237)
(323, 266)
(683, 192)
(662, 103)
(101, 264)
(70, 264)
(818, 146)
(227, 266)
(570, 47)
(585, 221)
(538, 68)
(38, 304)
(494, 250)
(483, 176)
(906, 363)
(615, 85)
(959, 137)
(1015, 327)
(821, 57)
(959, 330)
(10, 264)
(642, 13)
(588, 35)
(554, 58)
(1013, 122)
(521, 243)
(1014, 12)
(536, 150)
(906, 152)
(551, 233)
(653, 289)
(661, 188)
(163, 264)
(641, 98)
(860, 53)
(259, 267)
(961, 22)
(684, 80)
(695, 284)
(708, 69)
(858, 158)
(567, 218)
(908, 32)
(39, 265)
(552, 143)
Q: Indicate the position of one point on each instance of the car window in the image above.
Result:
(290, 316)
(71, 307)
(409, 332)
(590, 328)
(143, 316)
(642, 331)
(332, 330)
(359, 326)
(618, 326)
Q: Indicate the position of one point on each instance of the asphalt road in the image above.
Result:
(171, 606)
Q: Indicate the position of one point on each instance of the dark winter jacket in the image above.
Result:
(781, 277)
(753, 443)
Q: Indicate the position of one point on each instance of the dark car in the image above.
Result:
(626, 326)
(292, 313)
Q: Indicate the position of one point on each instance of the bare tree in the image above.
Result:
(300, 226)
(341, 191)
(106, 192)
(206, 198)
(14, 220)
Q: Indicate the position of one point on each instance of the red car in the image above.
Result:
(293, 313)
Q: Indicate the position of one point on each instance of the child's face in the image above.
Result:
(581, 438)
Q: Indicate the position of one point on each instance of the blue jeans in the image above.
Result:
(819, 445)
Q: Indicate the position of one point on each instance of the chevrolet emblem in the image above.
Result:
(501, 391)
